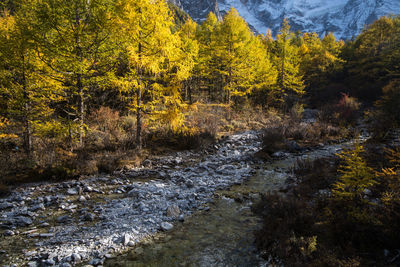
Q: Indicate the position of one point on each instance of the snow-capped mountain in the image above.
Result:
(345, 18)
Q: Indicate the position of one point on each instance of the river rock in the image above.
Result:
(134, 193)
(38, 207)
(63, 219)
(8, 233)
(173, 211)
(166, 226)
(89, 217)
(81, 199)
(292, 146)
(72, 191)
(125, 239)
(50, 262)
(6, 205)
(23, 221)
(279, 154)
(32, 264)
(76, 257)
(189, 183)
(96, 262)
(46, 235)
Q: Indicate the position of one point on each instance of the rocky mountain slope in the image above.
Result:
(345, 18)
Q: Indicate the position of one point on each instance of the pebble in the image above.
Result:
(8, 233)
(50, 262)
(166, 226)
(173, 211)
(63, 219)
(38, 207)
(89, 217)
(76, 257)
(23, 221)
(46, 235)
(6, 205)
(72, 191)
(96, 262)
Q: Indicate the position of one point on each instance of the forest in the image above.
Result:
(90, 87)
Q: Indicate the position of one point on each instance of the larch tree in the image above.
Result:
(189, 49)
(233, 53)
(25, 82)
(287, 61)
(74, 38)
(148, 44)
(264, 72)
(206, 70)
(318, 57)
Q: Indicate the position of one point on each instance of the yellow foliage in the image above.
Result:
(356, 175)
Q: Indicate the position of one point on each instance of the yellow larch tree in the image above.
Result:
(26, 86)
(149, 47)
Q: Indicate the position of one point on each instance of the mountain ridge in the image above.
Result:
(345, 18)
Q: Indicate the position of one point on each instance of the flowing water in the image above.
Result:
(221, 234)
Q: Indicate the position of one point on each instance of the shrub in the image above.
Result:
(345, 111)
(390, 101)
(273, 140)
(286, 229)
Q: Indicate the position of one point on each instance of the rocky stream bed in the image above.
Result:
(89, 221)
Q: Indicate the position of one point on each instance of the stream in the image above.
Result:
(190, 208)
(224, 234)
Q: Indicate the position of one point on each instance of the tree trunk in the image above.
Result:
(81, 110)
(190, 92)
(228, 100)
(79, 83)
(283, 67)
(139, 101)
(27, 124)
(139, 119)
